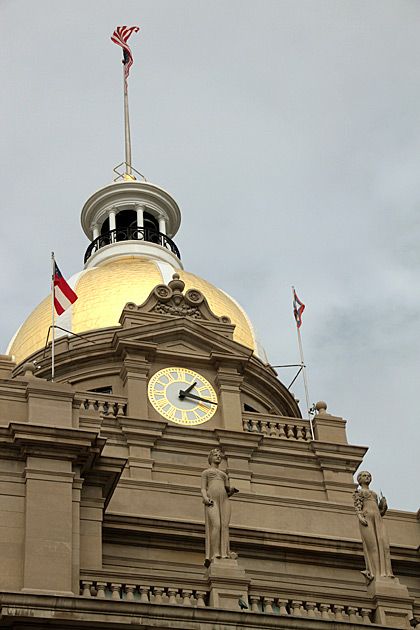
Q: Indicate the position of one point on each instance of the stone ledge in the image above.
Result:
(18, 610)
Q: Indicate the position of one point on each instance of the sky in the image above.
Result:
(288, 131)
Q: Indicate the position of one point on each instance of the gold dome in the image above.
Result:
(104, 290)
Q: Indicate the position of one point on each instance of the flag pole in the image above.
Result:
(303, 368)
(127, 135)
(52, 316)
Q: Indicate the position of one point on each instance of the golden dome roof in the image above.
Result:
(104, 290)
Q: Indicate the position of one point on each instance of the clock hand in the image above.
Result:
(184, 392)
(211, 402)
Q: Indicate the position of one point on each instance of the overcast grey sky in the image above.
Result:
(289, 133)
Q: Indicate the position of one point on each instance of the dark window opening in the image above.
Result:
(101, 390)
(249, 408)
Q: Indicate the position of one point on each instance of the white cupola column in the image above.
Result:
(95, 231)
(112, 219)
(162, 225)
(140, 215)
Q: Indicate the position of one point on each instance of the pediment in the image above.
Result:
(166, 302)
(179, 334)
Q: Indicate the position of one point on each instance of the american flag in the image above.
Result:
(64, 296)
(120, 37)
(298, 308)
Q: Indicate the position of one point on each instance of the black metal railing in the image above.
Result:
(132, 234)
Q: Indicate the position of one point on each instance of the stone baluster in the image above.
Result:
(254, 426)
(310, 609)
(296, 612)
(289, 432)
(338, 612)
(282, 432)
(129, 592)
(101, 407)
(324, 608)
(366, 612)
(86, 589)
(254, 599)
(282, 604)
(268, 605)
(144, 594)
(172, 593)
(264, 427)
(186, 597)
(300, 433)
(157, 592)
(100, 590)
(245, 424)
(352, 613)
(119, 409)
(273, 429)
(116, 588)
(200, 597)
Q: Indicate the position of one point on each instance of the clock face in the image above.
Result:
(182, 396)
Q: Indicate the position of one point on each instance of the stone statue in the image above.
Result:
(216, 491)
(374, 536)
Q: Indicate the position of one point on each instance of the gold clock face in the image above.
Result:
(182, 396)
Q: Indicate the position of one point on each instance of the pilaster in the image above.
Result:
(134, 375)
(229, 381)
(141, 437)
(238, 450)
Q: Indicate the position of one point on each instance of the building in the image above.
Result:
(101, 514)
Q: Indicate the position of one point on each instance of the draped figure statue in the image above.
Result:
(216, 491)
(374, 536)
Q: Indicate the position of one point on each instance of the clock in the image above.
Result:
(182, 396)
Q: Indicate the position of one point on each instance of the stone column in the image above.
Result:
(162, 225)
(95, 231)
(112, 219)
(140, 215)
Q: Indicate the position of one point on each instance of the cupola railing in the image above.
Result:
(131, 234)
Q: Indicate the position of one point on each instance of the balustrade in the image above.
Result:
(190, 597)
(277, 426)
(144, 594)
(100, 405)
(310, 609)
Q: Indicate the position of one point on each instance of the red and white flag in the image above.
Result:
(298, 308)
(64, 296)
(120, 37)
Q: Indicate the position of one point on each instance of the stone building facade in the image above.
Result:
(101, 515)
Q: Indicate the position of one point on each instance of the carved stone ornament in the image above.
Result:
(216, 491)
(370, 511)
(170, 300)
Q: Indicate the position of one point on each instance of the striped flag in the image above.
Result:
(64, 296)
(298, 308)
(120, 37)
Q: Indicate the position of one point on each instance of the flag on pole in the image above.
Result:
(120, 37)
(298, 308)
(64, 296)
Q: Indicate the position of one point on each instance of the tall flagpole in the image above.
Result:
(127, 135)
(52, 315)
(303, 367)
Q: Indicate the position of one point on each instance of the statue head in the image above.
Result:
(364, 476)
(216, 454)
